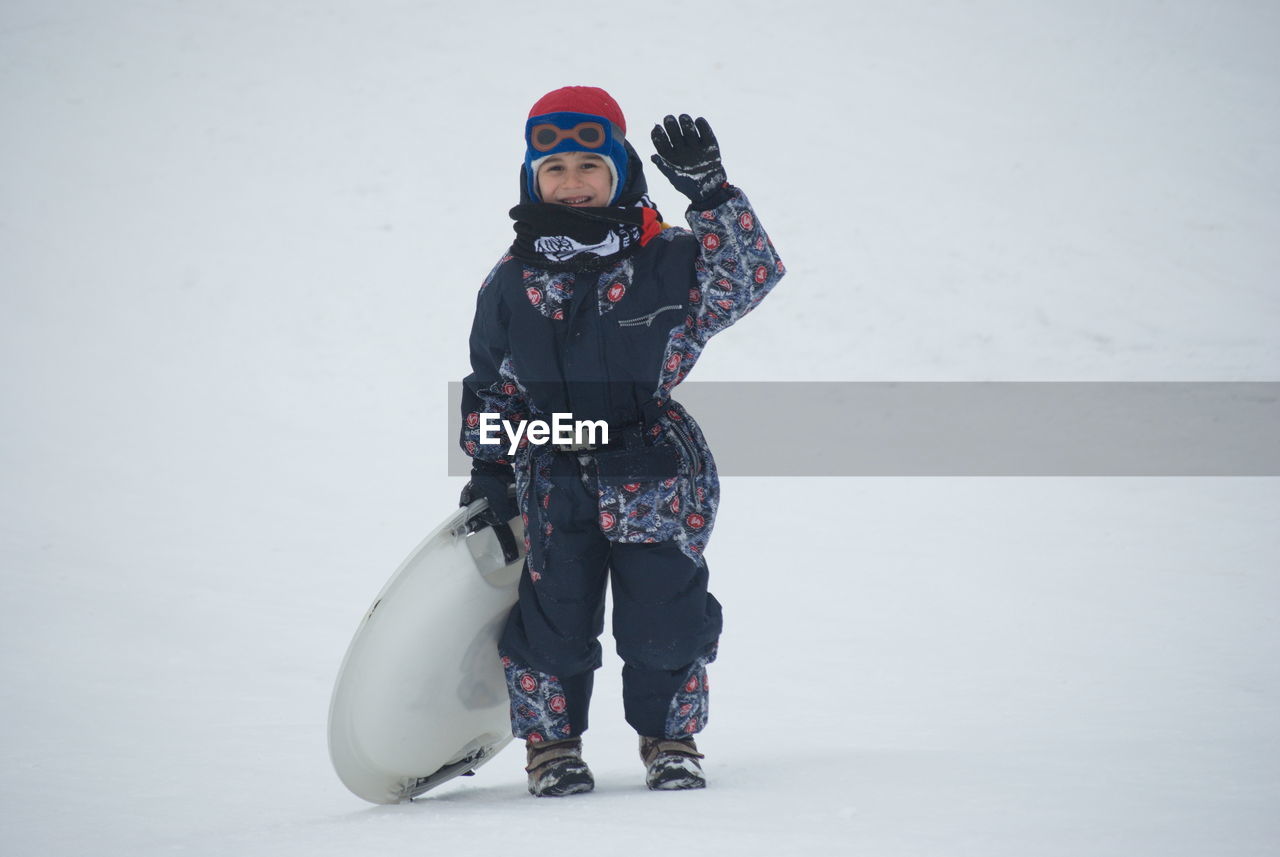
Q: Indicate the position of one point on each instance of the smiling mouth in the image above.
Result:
(576, 200)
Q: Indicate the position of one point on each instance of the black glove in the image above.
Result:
(689, 156)
(494, 482)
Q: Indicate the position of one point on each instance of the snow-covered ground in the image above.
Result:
(239, 247)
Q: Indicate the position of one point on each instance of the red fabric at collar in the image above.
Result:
(651, 226)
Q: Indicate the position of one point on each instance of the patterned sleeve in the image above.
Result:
(736, 265)
(491, 388)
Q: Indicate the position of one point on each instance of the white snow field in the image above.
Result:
(239, 248)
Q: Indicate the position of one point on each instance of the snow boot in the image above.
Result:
(671, 764)
(556, 768)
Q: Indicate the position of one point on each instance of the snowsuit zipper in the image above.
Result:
(695, 461)
(647, 320)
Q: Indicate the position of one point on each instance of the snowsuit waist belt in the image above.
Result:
(624, 436)
(628, 456)
(616, 441)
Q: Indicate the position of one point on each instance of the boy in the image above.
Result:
(599, 310)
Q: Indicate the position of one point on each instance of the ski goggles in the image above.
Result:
(545, 136)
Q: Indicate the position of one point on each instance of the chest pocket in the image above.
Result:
(647, 320)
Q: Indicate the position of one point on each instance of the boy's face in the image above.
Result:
(575, 178)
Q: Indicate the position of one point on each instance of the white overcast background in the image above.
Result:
(239, 249)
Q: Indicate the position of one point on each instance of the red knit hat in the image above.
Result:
(581, 99)
(566, 110)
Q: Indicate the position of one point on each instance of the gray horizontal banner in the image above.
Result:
(978, 429)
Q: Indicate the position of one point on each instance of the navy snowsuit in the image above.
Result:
(611, 345)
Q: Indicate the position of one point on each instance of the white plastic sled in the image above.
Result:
(420, 697)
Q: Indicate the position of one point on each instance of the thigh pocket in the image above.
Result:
(641, 493)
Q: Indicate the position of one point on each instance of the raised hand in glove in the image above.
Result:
(689, 156)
